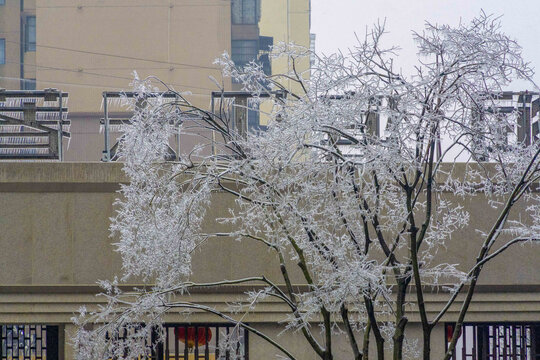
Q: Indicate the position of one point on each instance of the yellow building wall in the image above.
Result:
(97, 45)
(287, 21)
(10, 31)
(29, 57)
(29, 5)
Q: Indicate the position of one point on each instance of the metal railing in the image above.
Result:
(33, 124)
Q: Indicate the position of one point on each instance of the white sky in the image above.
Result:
(336, 21)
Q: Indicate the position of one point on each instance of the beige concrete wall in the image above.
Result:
(29, 5)
(295, 343)
(60, 211)
(30, 65)
(54, 221)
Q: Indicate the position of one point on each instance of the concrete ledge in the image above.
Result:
(239, 289)
(60, 176)
(60, 307)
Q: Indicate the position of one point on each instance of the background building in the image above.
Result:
(91, 46)
(17, 44)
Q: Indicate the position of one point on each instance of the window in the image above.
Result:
(191, 341)
(2, 2)
(203, 341)
(244, 51)
(20, 342)
(245, 11)
(501, 341)
(29, 84)
(30, 33)
(2, 51)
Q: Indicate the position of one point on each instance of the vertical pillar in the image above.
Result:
(60, 128)
(240, 115)
(107, 150)
(69, 331)
(213, 131)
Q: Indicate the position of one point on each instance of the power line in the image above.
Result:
(119, 56)
(223, 4)
(121, 6)
(128, 68)
(82, 84)
(101, 75)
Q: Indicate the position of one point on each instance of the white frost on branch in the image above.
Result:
(361, 214)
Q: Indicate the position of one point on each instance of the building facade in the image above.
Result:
(55, 246)
(88, 47)
(17, 44)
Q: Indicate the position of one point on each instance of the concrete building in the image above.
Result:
(91, 46)
(519, 109)
(522, 111)
(55, 246)
(17, 44)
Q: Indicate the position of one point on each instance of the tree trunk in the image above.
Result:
(380, 348)
(375, 328)
(399, 335)
(427, 344)
(365, 345)
(401, 320)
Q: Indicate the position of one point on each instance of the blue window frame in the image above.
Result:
(245, 11)
(30, 33)
(244, 51)
(29, 84)
(2, 51)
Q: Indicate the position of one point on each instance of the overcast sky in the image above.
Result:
(335, 22)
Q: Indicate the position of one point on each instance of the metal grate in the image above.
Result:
(29, 342)
(203, 342)
(496, 341)
(192, 342)
(33, 124)
(109, 124)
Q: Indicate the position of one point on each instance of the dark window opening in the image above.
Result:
(30, 33)
(36, 342)
(29, 84)
(194, 342)
(2, 51)
(244, 51)
(496, 341)
(265, 46)
(244, 12)
(204, 342)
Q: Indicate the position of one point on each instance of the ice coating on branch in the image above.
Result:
(361, 213)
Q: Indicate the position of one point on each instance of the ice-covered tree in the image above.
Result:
(361, 222)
